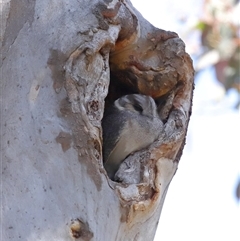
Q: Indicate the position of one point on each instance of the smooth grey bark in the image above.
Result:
(56, 58)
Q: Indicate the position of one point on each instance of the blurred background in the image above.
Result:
(203, 199)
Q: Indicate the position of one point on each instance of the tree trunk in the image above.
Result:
(62, 63)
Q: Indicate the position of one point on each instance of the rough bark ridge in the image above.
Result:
(63, 62)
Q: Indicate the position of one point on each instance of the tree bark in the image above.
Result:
(62, 63)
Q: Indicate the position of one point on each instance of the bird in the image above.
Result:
(132, 123)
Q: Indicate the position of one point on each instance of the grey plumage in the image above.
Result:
(131, 124)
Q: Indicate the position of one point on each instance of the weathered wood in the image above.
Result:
(57, 59)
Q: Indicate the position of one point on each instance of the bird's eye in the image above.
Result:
(138, 107)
